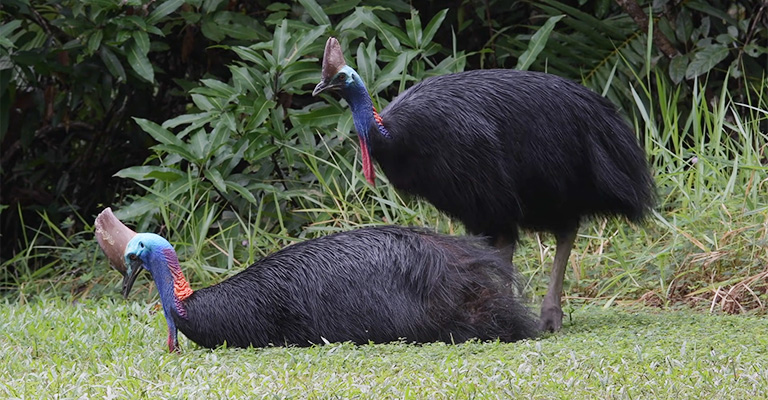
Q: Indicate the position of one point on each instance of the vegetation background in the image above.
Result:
(195, 119)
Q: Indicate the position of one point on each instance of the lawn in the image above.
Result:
(116, 349)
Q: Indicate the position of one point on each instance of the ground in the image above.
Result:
(105, 348)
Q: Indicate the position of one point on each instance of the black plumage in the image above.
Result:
(377, 284)
(499, 149)
(502, 150)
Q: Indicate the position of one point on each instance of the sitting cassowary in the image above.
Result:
(376, 285)
(502, 150)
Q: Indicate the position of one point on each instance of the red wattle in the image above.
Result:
(368, 171)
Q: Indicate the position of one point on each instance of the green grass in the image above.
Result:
(99, 349)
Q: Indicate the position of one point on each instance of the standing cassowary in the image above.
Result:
(502, 150)
(378, 284)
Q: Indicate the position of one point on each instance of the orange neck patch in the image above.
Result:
(181, 287)
(377, 117)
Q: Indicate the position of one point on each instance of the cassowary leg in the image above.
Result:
(551, 311)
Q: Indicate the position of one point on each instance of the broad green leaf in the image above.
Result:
(717, 12)
(261, 108)
(242, 191)
(137, 208)
(677, 68)
(366, 61)
(279, 41)
(163, 9)
(184, 119)
(301, 77)
(143, 172)
(345, 123)
(315, 12)
(395, 36)
(319, 117)
(212, 30)
(433, 26)
(340, 6)
(394, 5)
(139, 62)
(242, 146)
(228, 120)
(6, 43)
(392, 72)
(177, 150)
(369, 19)
(537, 43)
(753, 50)
(413, 27)
(254, 56)
(113, 63)
(263, 152)
(215, 177)
(220, 88)
(684, 26)
(8, 28)
(166, 175)
(199, 146)
(204, 103)
(706, 59)
(304, 42)
(95, 41)
(242, 79)
(136, 21)
(277, 126)
(142, 40)
(158, 132)
(211, 5)
(219, 135)
(240, 26)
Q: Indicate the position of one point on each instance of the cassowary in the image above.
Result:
(377, 284)
(502, 150)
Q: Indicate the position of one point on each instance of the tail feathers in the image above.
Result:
(622, 176)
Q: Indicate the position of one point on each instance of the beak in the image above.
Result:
(322, 86)
(131, 273)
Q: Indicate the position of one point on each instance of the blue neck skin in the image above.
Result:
(161, 273)
(356, 95)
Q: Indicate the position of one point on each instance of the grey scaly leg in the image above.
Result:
(551, 311)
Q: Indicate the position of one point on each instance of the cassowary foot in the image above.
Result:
(551, 319)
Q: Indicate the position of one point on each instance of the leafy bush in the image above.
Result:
(598, 43)
(259, 141)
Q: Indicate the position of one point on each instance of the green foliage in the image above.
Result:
(607, 50)
(257, 141)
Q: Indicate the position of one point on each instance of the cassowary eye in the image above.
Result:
(342, 77)
(132, 257)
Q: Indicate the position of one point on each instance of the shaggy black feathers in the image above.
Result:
(374, 284)
(502, 149)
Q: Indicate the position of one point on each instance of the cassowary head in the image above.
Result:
(336, 73)
(144, 251)
(153, 253)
